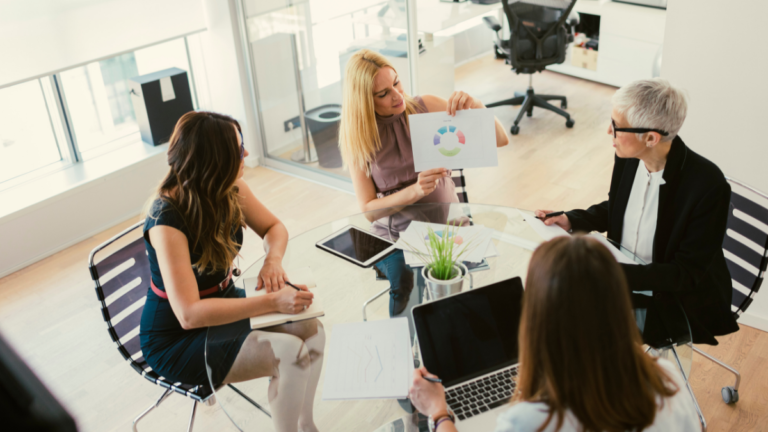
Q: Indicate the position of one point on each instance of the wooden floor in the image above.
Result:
(49, 313)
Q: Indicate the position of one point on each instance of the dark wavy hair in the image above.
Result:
(204, 159)
(580, 348)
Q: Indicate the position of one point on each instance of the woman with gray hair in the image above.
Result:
(669, 206)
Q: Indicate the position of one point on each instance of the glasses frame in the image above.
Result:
(242, 146)
(635, 130)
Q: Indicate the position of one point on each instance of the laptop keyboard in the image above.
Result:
(483, 394)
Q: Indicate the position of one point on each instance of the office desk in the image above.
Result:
(344, 287)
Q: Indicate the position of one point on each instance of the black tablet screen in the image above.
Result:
(357, 244)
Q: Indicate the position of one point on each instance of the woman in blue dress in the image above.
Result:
(193, 232)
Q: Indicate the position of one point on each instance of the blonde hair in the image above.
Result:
(358, 134)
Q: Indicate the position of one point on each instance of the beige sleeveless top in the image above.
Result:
(392, 170)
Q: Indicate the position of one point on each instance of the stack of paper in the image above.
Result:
(474, 241)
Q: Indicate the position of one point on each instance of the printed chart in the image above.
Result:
(369, 360)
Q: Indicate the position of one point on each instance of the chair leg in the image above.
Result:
(192, 417)
(690, 391)
(517, 100)
(723, 365)
(541, 103)
(527, 105)
(253, 402)
(367, 302)
(165, 394)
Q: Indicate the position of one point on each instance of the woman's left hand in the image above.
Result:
(427, 397)
(460, 101)
(272, 277)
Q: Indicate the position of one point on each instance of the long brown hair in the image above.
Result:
(580, 348)
(204, 159)
(358, 134)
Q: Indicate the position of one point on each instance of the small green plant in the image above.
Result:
(439, 257)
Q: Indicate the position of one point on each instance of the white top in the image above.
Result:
(642, 211)
(677, 414)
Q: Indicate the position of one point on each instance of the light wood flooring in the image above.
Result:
(49, 313)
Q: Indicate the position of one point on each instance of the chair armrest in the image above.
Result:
(573, 19)
(492, 23)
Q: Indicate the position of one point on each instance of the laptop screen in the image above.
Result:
(470, 334)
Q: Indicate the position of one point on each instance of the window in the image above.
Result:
(78, 114)
(30, 129)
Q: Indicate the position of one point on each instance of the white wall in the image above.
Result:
(716, 50)
(92, 206)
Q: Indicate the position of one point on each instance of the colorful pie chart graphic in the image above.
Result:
(440, 135)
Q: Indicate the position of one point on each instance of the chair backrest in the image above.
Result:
(538, 36)
(746, 243)
(458, 180)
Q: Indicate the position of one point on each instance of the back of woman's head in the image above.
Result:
(358, 133)
(205, 158)
(580, 348)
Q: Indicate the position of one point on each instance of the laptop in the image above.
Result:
(469, 340)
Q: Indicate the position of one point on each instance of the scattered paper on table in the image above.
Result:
(369, 360)
(475, 239)
(546, 232)
(466, 140)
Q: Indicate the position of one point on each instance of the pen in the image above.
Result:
(292, 285)
(434, 380)
(549, 215)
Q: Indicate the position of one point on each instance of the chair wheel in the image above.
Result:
(730, 395)
(529, 113)
(563, 105)
(514, 130)
(569, 123)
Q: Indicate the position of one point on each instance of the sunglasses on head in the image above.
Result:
(635, 130)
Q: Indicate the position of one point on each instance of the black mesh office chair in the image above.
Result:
(745, 246)
(540, 31)
(120, 270)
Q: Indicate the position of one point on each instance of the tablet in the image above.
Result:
(357, 246)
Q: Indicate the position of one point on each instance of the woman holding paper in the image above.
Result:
(193, 232)
(669, 206)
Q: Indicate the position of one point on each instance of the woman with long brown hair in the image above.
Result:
(582, 366)
(193, 232)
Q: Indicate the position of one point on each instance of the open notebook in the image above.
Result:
(300, 276)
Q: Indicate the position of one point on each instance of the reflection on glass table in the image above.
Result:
(344, 287)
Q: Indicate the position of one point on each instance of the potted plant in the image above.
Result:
(443, 269)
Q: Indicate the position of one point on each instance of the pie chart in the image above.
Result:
(441, 134)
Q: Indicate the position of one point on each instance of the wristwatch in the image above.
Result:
(441, 416)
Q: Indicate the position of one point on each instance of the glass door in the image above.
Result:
(298, 51)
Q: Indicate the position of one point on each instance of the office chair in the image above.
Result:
(746, 265)
(539, 35)
(122, 281)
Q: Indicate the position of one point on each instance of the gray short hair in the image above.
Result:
(653, 104)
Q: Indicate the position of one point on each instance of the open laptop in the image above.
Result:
(469, 340)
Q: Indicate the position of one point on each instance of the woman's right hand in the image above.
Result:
(562, 220)
(427, 181)
(290, 301)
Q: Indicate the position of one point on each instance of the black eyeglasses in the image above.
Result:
(635, 130)
(242, 146)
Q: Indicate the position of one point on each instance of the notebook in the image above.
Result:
(300, 276)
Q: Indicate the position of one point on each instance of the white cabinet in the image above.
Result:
(631, 38)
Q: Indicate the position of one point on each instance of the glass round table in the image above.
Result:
(350, 293)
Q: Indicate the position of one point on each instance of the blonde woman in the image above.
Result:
(375, 140)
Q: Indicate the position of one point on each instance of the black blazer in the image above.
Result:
(688, 262)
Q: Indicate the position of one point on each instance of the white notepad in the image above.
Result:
(369, 360)
(300, 276)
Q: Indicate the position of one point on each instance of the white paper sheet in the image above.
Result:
(546, 232)
(369, 360)
(166, 89)
(620, 257)
(466, 140)
(414, 261)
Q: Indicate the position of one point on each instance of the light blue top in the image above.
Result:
(677, 414)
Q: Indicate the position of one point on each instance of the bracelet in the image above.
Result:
(442, 419)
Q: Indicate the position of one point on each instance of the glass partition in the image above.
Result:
(298, 52)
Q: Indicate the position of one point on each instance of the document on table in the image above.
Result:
(369, 360)
(466, 140)
(546, 232)
(302, 276)
(618, 254)
(476, 239)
